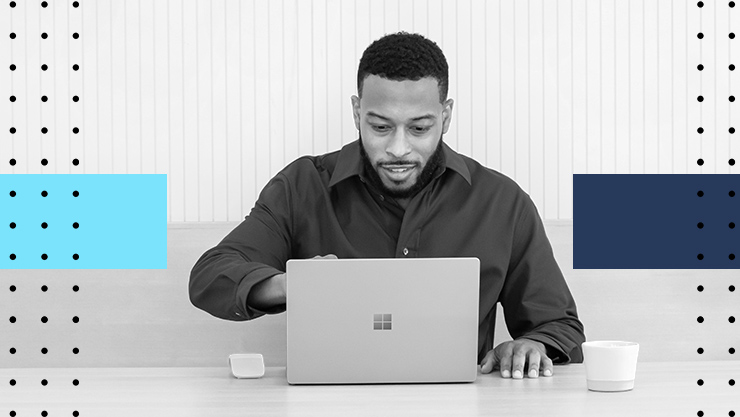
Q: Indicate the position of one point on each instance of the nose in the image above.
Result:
(398, 145)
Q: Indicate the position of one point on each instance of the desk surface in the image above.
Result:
(665, 388)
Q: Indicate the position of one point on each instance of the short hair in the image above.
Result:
(404, 56)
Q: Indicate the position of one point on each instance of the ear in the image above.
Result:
(356, 111)
(447, 114)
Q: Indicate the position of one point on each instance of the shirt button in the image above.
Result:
(382, 198)
(405, 251)
(237, 313)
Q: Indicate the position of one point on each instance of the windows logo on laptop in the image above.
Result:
(382, 321)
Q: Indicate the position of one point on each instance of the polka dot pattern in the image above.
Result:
(46, 98)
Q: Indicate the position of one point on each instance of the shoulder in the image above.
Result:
(488, 181)
(310, 168)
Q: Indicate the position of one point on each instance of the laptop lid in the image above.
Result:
(382, 320)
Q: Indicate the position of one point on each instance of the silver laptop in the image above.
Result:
(362, 321)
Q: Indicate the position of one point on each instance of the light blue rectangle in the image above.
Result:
(122, 221)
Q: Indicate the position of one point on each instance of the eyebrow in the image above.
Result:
(413, 119)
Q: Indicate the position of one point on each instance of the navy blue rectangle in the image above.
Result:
(652, 221)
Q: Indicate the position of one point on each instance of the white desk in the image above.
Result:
(661, 389)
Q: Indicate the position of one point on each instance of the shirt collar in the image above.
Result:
(349, 163)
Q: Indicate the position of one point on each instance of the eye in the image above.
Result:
(420, 129)
(381, 128)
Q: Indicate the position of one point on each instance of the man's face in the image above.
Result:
(400, 123)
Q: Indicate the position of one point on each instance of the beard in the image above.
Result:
(426, 176)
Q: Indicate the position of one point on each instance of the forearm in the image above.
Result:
(221, 282)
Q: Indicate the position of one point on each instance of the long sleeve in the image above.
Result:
(255, 250)
(537, 302)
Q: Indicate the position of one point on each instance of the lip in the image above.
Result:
(398, 173)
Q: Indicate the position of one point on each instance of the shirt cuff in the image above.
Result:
(554, 351)
(254, 277)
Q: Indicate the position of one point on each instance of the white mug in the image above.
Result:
(610, 365)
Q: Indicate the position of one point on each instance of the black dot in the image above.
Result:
(700, 351)
(44, 67)
(76, 67)
(75, 413)
(75, 35)
(12, 225)
(700, 67)
(75, 162)
(732, 130)
(12, 382)
(12, 351)
(75, 382)
(700, 382)
(44, 413)
(44, 319)
(731, 225)
(700, 99)
(44, 225)
(12, 4)
(732, 67)
(44, 383)
(12, 257)
(75, 99)
(732, 382)
(75, 256)
(75, 351)
(700, 162)
(700, 193)
(76, 4)
(731, 319)
(12, 162)
(732, 35)
(700, 413)
(44, 288)
(12, 99)
(44, 351)
(700, 4)
(75, 288)
(75, 225)
(76, 130)
(731, 161)
(44, 130)
(731, 98)
(731, 4)
(732, 256)
(700, 319)
(731, 288)
(44, 162)
(700, 288)
(44, 193)
(732, 351)
(12, 319)
(12, 35)
(75, 319)
(44, 256)
(12, 130)
(12, 67)
(75, 193)
(12, 288)
(44, 35)
(44, 99)
(731, 413)
(12, 193)
(700, 225)
(700, 130)
(44, 4)
(700, 35)
(732, 193)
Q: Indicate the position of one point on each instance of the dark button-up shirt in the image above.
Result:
(322, 205)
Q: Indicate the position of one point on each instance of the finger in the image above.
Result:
(533, 363)
(517, 364)
(505, 363)
(488, 362)
(546, 366)
(331, 256)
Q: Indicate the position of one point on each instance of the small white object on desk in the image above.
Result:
(247, 365)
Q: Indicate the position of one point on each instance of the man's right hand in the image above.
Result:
(270, 293)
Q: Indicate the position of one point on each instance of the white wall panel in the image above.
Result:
(220, 95)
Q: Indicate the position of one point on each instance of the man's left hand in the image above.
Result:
(514, 356)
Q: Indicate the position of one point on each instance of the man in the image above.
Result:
(400, 191)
